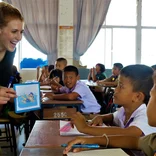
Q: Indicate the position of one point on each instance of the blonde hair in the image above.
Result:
(8, 13)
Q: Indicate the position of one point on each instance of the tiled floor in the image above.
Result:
(20, 138)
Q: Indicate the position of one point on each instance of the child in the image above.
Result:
(56, 75)
(75, 89)
(97, 73)
(146, 143)
(61, 63)
(113, 80)
(16, 75)
(153, 67)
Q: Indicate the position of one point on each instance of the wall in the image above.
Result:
(28, 74)
(31, 74)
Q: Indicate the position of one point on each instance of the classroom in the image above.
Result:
(77, 74)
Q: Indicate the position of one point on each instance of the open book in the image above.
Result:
(100, 152)
(66, 129)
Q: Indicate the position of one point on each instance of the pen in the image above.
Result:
(10, 81)
(82, 145)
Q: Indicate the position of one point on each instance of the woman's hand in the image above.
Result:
(6, 94)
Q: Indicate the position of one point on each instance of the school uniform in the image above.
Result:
(148, 144)
(138, 119)
(90, 104)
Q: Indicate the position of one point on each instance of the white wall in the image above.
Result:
(28, 74)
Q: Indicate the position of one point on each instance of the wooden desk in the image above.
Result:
(45, 134)
(45, 137)
(42, 152)
(58, 113)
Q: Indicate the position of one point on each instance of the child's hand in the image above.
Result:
(49, 95)
(79, 121)
(96, 121)
(6, 94)
(78, 140)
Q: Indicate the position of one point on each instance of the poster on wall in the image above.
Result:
(66, 41)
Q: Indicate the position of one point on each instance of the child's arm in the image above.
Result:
(79, 121)
(105, 83)
(90, 75)
(93, 75)
(111, 141)
(100, 119)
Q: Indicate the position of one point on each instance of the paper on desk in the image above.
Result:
(45, 87)
(100, 152)
(46, 91)
(66, 129)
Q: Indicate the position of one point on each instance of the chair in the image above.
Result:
(8, 137)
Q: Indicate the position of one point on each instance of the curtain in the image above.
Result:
(89, 16)
(41, 24)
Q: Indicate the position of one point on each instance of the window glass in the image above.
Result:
(111, 46)
(31, 57)
(95, 53)
(148, 12)
(122, 12)
(124, 46)
(148, 47)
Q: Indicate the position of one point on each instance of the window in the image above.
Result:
(120, 40)
(30, 57)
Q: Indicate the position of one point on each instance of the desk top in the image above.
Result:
(42, 152)
(46, 100)
(46, 134)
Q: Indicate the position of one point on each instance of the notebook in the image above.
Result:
(100, 152)
(66, 129)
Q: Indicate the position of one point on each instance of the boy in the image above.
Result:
(146, 144)
(113, 80)
(75, 89)
(61, 63)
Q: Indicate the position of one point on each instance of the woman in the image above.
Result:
(11, 30)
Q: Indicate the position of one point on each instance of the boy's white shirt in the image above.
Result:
(138, 119)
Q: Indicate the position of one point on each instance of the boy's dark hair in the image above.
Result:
(50, 67)
(71, 68)
(118, 65)
(56, 73)
(102, 67)
(141, 78)
(154, 67)
(61, 59)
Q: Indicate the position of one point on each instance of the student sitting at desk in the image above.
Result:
(75, 89)
(132, 93)
(113, 80)
(60, 64)
(147, 143)
(97, 73)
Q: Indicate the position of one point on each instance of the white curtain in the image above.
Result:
(89, 16)
(41, 24)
